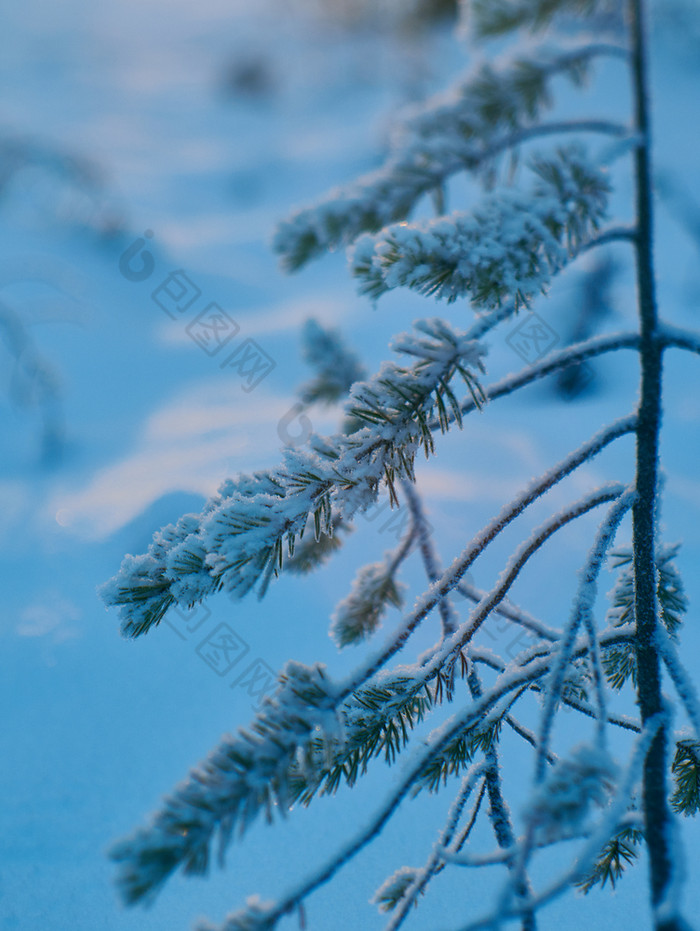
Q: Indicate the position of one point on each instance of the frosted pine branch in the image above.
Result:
(421, 877)
(614, 814)
(313, 734)
(682, 681)
(490, 111)
(554, 361)
(359, 614)
(527, 549)
(240, 538)
(490, 18)
(512, 612)
(489, 658)
(680, 338)
(580, 614)
(429, 556)
(454, 574)
(472, 716)
(505, 251)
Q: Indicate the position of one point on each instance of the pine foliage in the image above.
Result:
(391, 892)
(315, 736)
(358, 616)
(484, 115)
(619, 852)
(493, 18)
(686, 773)
(619, 661)
(504, 251)
(240, 539)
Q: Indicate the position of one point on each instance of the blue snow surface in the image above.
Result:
(196, 127)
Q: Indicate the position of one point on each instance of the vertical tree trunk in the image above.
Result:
(657, 815)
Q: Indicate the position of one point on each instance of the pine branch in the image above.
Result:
(618, 853)
(498, 811)
(507, 250)
(396, 889)
(336, 367)
(295, 738)
(614, 815)
(492, 18)
(453, 575)
(34, 380)
(686, 774)
(582, 611)
(527, 735)
(607, 640)
(536, 540)
(436, 743)
(242, 778)
(620, 662)
(512, 612)
(680, 338)
(657, 815)
(581, 614)
(313, 736)
(359, 615)
(310, 553)
(429, 556)
(680, 678)
(499, 814)
(239, 540)
(420, 878)
(485, 114)
(182, 831)
(554, 361)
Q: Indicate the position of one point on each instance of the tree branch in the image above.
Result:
(614, 813)
(526, 550)
(452, 576)
(512, 612)
(434, 864)
(581, 611)
(551, 363)
(657, 814)
(679, 338)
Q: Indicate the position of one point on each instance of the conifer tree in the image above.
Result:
(315, 734)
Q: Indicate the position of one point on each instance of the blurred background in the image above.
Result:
(147, 150)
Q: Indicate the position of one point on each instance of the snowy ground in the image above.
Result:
(210, 121)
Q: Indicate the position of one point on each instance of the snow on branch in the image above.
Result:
(453, 575)
(309, 736)
(581, 613)
(512, 612)
(491, 18)
(620, 661)
(536, 540)
(490, 111)
(506, 250)
(682, 681)
(429, 556)
(554, 361)
(562, 803)
(240, 538)
(241, 778)
(680, 338)
(614, 814)
(360, 613)
(400, 891)
(489, 658)
(490, 707)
